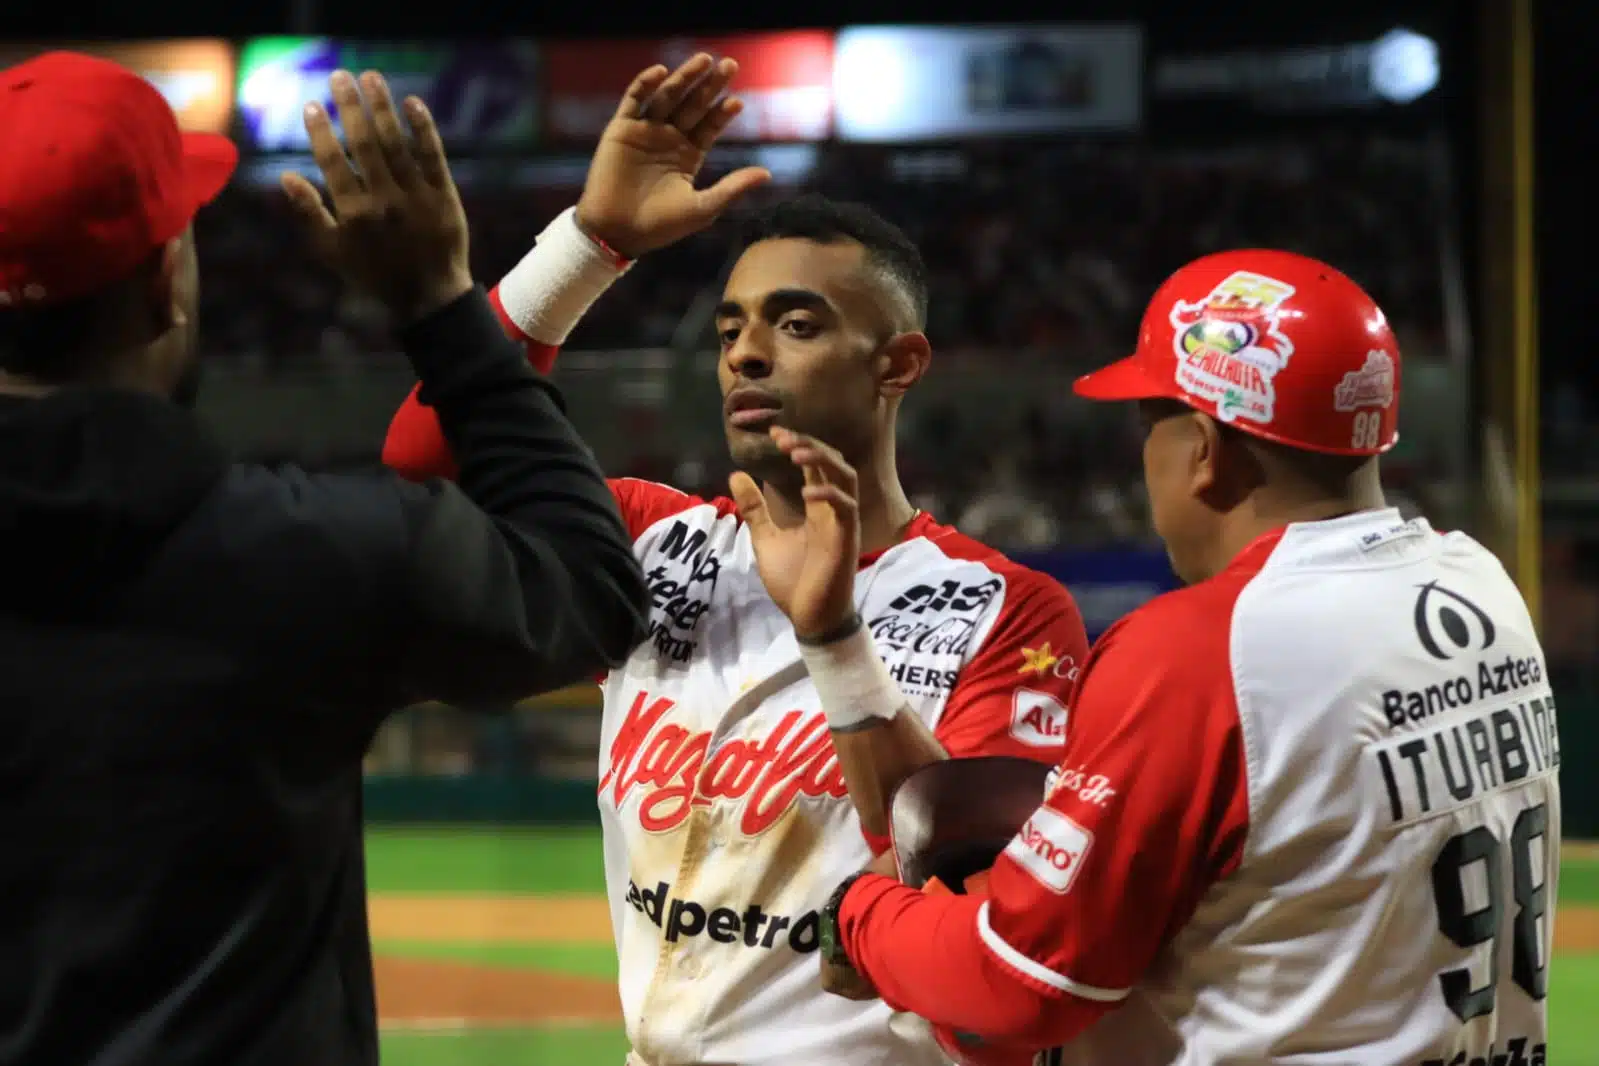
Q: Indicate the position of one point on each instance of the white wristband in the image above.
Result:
(852, 681)
(555, 284)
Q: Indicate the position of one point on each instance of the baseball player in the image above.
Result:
(813, 638)
(1308, 810)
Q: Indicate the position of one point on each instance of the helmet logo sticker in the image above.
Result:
(1370, 386)
(1229, 345)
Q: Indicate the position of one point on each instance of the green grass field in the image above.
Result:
(548, 862)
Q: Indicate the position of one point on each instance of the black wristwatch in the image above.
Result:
(832, 945)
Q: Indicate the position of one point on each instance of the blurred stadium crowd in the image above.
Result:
(1041, 256)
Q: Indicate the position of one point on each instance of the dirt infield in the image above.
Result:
(423, 994)
(491, 919)
(430, 994)
(418, 994)
(1577, 929)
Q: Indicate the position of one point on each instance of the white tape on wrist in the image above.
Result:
(852, 681)
(555, 284)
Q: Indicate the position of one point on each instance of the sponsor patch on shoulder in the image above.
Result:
(1037, 719)
(1051, 847)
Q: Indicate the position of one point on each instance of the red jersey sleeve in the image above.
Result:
(644, 503)
(1149, 809)
(415, 445)
(1013, 696)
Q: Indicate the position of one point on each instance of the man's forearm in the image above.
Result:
(538, 583)
(877, 757)
(879, 740)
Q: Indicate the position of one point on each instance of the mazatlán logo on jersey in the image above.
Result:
(1230, 346)
(667, 766)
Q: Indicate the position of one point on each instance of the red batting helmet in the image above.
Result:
(939, 833)
(1277, 345)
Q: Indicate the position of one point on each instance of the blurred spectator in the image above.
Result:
(1005, 511)
(1041, 255)
(1036, 247)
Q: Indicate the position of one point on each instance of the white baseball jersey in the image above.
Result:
(727, 824)
(1308, 812)
(726, 820)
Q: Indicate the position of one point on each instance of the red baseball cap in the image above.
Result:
(95, 176)
(1277, 345)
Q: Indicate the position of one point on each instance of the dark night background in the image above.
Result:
(1564, 35)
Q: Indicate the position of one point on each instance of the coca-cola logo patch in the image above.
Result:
(934, 620)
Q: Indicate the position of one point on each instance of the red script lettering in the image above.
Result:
(668, 767)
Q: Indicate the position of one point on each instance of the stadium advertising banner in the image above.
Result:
(483, 94)
(1396, 71)
(785, 80)
(195, 75)
(908, 83)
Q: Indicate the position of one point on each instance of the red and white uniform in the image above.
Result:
(726, 820)
(1308, 812)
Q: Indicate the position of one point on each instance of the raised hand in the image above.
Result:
(397, 229)
(640, 192)
(808, 569)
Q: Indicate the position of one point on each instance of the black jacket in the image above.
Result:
(194, 657)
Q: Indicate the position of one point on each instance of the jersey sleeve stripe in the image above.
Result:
(1038, 971)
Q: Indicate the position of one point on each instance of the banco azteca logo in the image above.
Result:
(1448, 624)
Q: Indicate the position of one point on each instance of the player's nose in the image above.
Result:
(750, 357)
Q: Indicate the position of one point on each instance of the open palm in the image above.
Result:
(809, 568)
(640, 193)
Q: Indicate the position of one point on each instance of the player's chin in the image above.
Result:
(754, 452)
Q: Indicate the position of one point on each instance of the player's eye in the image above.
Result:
(800, 326)
(728, 335)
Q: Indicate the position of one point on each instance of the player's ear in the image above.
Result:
(902, 361)
(1225, 468)
(1205, 440)
(160, 281)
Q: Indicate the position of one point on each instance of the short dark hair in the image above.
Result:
(814, 217)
